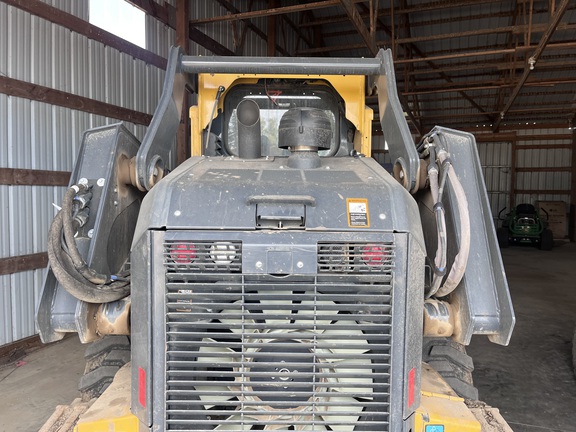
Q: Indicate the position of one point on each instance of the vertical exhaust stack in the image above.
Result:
(249, 134)
(304, 131)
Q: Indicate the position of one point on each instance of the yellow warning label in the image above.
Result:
(358, 216)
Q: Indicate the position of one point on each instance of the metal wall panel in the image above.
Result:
(548, 158)
(79, 8)
(5, 308)
(496, 161)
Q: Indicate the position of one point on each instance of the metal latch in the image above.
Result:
(281, 211)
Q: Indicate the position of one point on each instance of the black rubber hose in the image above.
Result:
(67, 222)
(71, 280)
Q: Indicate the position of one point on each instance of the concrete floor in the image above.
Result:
(31, 388)
(531, 381)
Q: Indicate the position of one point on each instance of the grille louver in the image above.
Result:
(265, 353)
(355, 257)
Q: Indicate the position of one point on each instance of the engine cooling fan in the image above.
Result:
(282, 363)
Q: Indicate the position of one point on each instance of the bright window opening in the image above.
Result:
(120, 18)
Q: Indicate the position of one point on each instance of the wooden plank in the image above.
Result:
(16, 350)
(270, 11)
(544, 169)
(31, 177)
(545, 137)
(18, 88)
(71, 22)
(543, 191)
(542, 146)
(490, 138)
(22, 263)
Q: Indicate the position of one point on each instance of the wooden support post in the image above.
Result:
(513, 158)
(572, 224)
(272, 31)
(182, 39)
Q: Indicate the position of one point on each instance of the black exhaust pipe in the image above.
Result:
(249, 134)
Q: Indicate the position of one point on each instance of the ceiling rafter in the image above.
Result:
(477, 32)
(530, 64)
(369, 38)
(270, 11)
(463, 55)
(226, 4)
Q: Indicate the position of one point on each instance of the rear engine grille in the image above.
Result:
(355, 257)
(265, 353)
(203, 256)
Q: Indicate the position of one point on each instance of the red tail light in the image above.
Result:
(374, 255)
(411, 378)
(183, 253)
(142, 387)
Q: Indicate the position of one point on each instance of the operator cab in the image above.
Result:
(274, 98)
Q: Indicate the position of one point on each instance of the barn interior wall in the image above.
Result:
(39, 136)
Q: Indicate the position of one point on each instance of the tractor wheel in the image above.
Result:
(450, 360)
(546, 240)
(502, 235)
(104, 358)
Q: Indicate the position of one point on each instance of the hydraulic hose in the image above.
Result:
(67, 223)
(461, 259)
(439, 264)
(65, 269)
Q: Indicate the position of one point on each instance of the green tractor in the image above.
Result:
(524, 225)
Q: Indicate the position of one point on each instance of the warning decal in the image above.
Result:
(357, 209)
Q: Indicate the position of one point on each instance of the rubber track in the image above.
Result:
(450, 360)
(103, 359)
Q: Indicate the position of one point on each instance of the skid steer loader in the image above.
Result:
(280, 278)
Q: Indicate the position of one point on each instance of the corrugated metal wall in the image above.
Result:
(36, 135)
(552, 158)
(539, 169)
(496, 161)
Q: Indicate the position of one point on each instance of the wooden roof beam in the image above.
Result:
(368, 37)
(226, 4)
(554, 21)
(477, 32)
(435, 5)
(271, 11)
